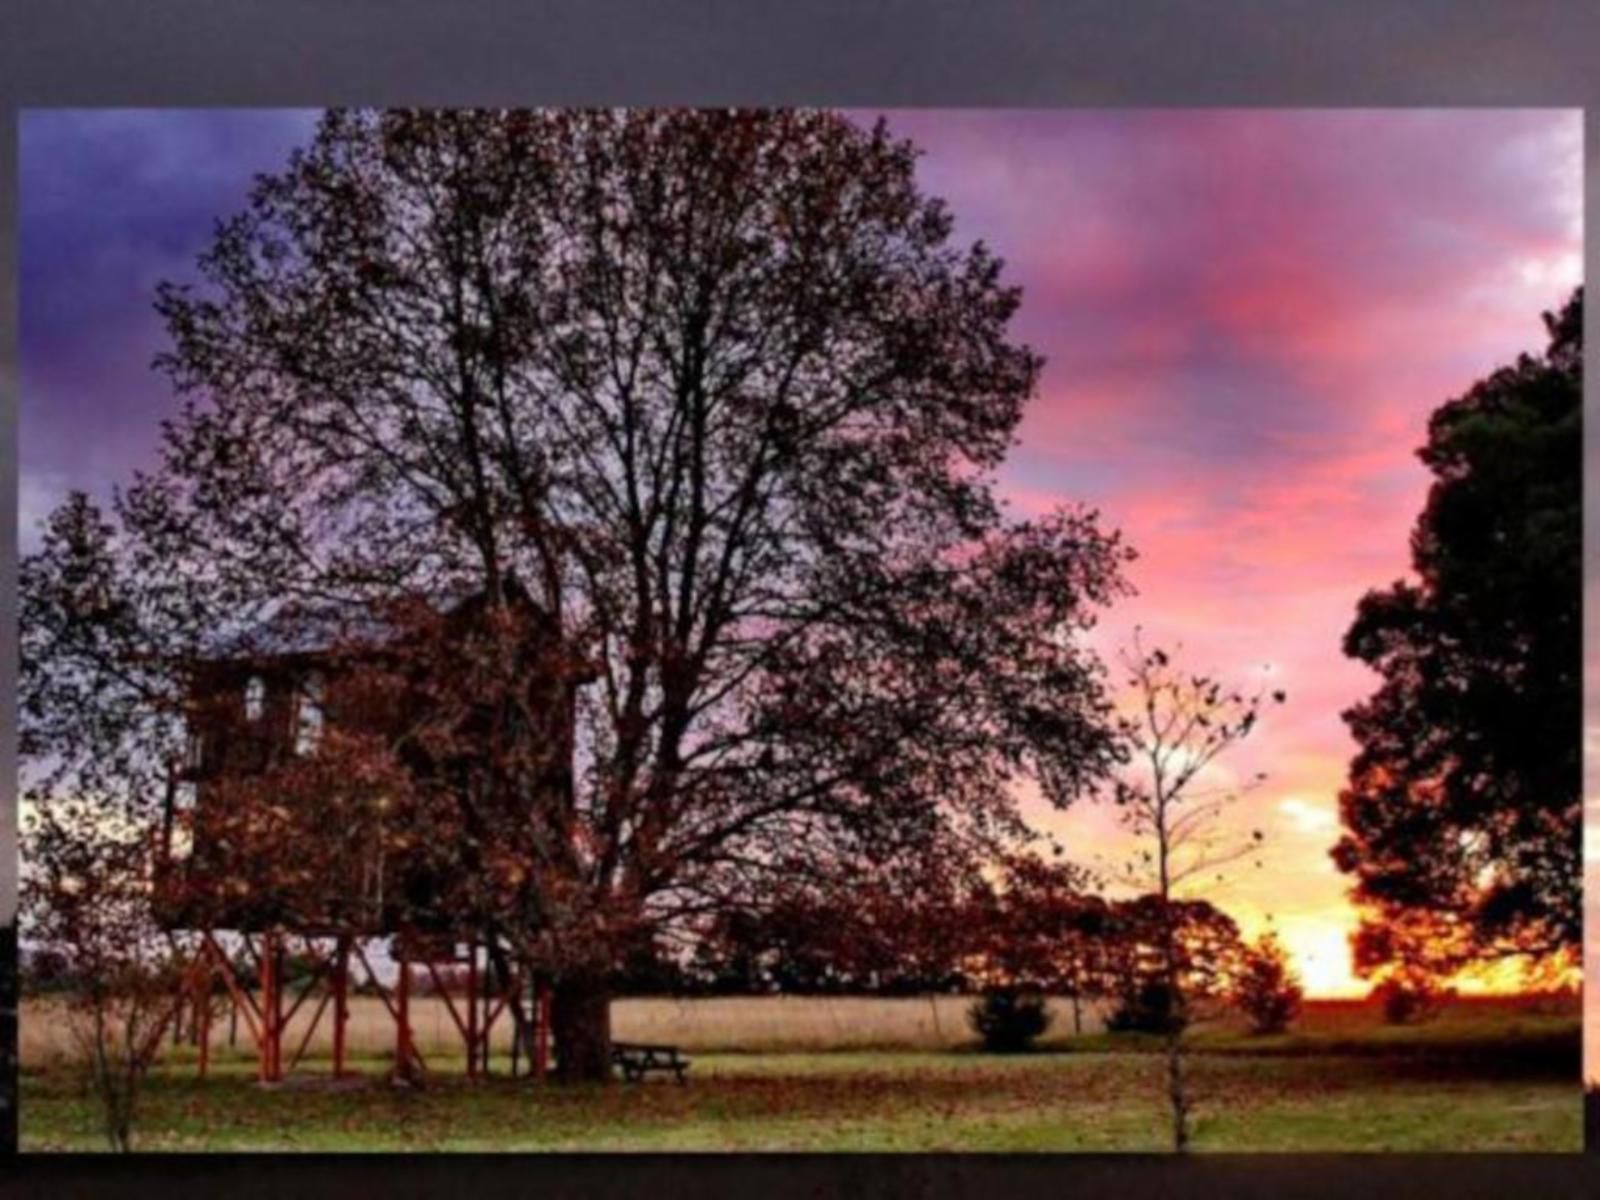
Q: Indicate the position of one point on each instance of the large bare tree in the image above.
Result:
(718, 394)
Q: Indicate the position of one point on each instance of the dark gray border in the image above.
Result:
(793, 1177)
(867, 53)
(9, 377)
(840, 52)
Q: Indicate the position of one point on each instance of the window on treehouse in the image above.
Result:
(181, 844)
(194, 750)
(310, 714)
(255, 698)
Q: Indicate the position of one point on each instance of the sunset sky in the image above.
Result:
(1247, 317)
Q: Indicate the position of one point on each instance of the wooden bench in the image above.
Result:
(636, 1059)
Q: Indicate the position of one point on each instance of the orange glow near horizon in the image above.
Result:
(1247, 319)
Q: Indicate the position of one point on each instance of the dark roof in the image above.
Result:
(301, 629)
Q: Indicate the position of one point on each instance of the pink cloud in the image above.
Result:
(1247, 318)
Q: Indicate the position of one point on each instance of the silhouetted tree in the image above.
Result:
(652, 969)
(1179, 724)
(716, 391)
(86, 900)
(1267, 990)
(1462, 815)
(1206, 949)
(895, 926)
(1037, 925)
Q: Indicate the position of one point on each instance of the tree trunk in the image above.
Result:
(580, 1019)
(1177, 1017)
(1177, 1010)
(1176, 1092)
(122, 1120)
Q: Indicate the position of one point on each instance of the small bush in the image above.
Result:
(1008, 1021)
(1408, 1001)
(1147, 1008)
(1267, 991)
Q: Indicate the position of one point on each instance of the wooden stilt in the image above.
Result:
(202, 996)
(341, 1003)
(277, 1033)
(151, 1042)
(485, 1016)
(473, 1046)
(541, 1029)
(311, 1030)
(253, 1016)
(271, 967)
(264, 1042)
(516, 1026)
(388, 1003)
(402, 1023)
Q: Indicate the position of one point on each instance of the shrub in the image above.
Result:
(1268, 991)
(1408, 1001)
(1008, 1021)
(1147, 1008)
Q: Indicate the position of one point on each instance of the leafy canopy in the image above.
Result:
(1463, 810)
(718, 394)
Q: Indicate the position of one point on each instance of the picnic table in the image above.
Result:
(636, 1059)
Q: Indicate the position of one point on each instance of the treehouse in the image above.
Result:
(327, 766)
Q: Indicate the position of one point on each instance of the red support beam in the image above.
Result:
(242, 1000)
(269, 1013)
(383, 994)
(152, 1040)
(317, 975)
(341, 1003)
(202, 994)
(402, 1027)
(372, 978)
(508, 990)
(449, 1004)
(278, 973)
(316, 1019)
(476, 1050)
(271, 1058)
(268, 1022)
(541, 1030)
(492, 1012)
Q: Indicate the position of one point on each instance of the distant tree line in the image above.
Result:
(1038, 928)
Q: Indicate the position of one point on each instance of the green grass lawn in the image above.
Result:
(1284, 1094)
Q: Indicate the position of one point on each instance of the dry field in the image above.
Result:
(772, 1024)
(809, 1024)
